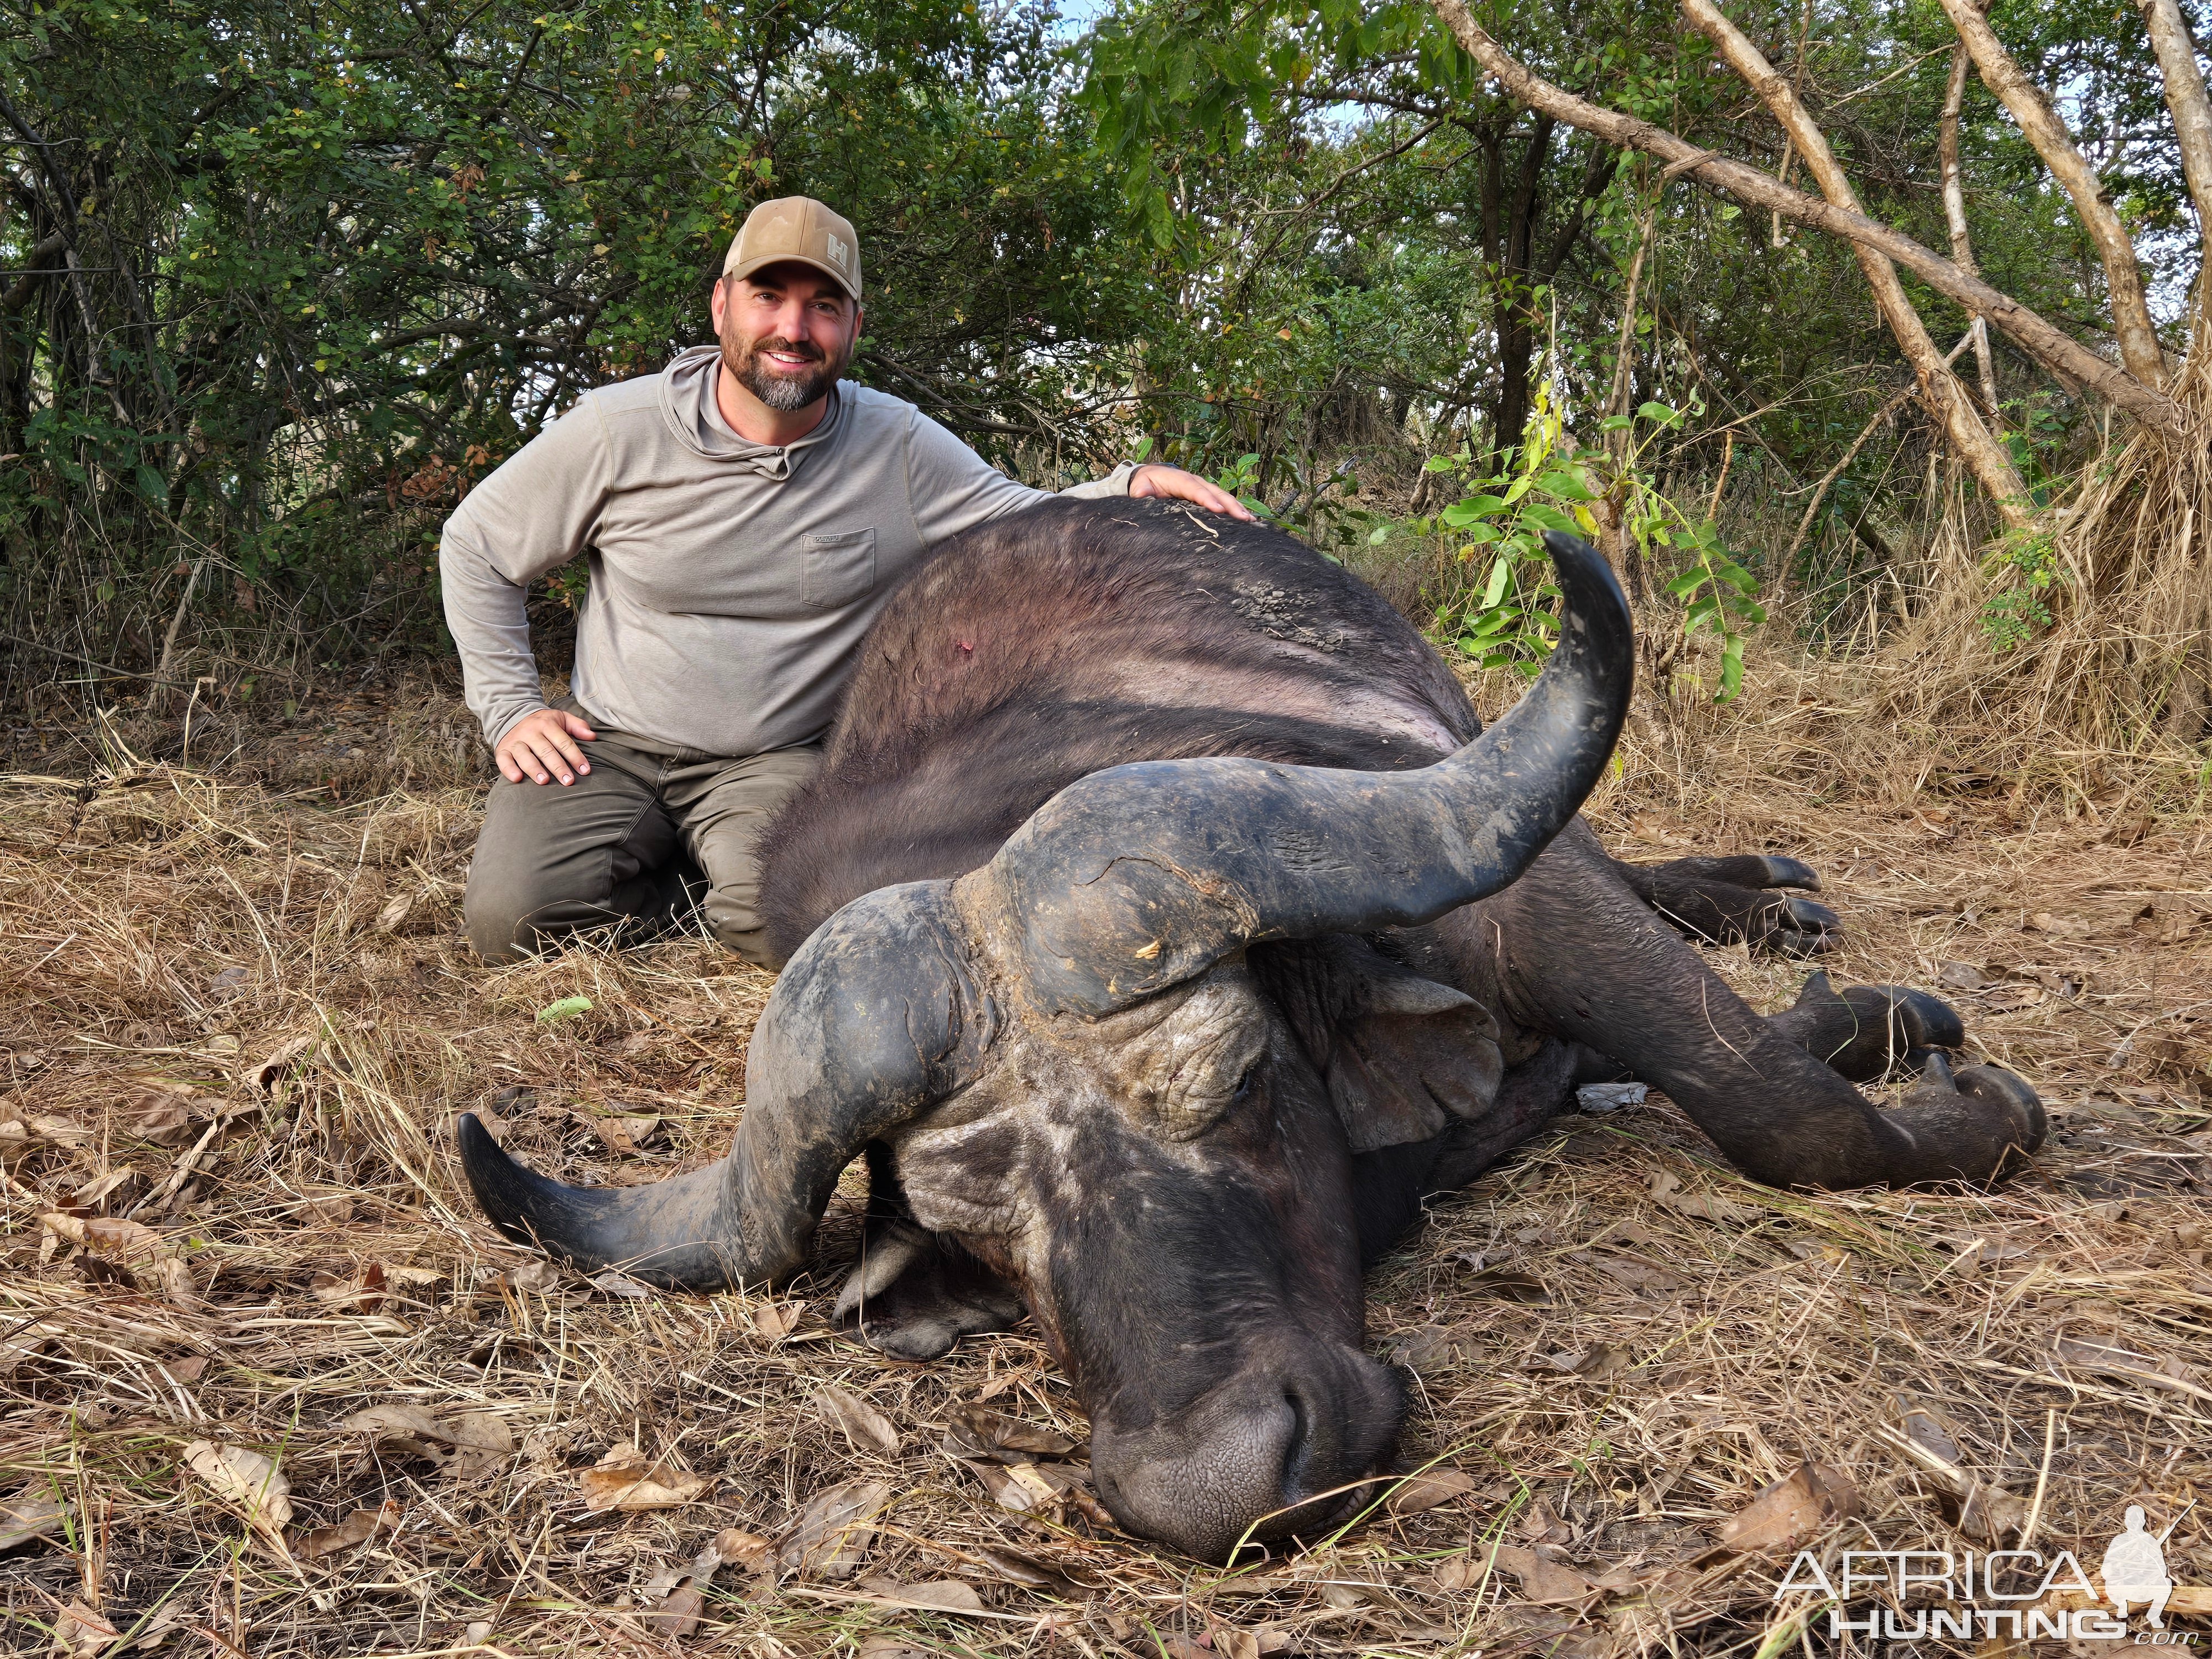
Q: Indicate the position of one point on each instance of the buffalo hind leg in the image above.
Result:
(1572, 952)
(1723, 900)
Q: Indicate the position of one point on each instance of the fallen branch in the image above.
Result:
(2047, 345)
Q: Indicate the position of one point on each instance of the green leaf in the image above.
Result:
(1567, 486)
(1549, 518)
(1438, 463)
(1500, 574)
(1731, 668)
(567, 1008)
(1659, 413)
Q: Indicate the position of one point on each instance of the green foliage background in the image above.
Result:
(282, 282)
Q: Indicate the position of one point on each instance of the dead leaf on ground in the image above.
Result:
(777, 1319)
(622, 1285)
(1791, 1509)
(248, 1479)
(31, 1513)
(627, 1479)
(679, 1614)
(2060, 926)
(127, 1241)
(1429, 1490)
(867, 1429)
(950, 1594)
(356, 1529)
(538, 1277)
(1636, 1272)
(832, 1534)
(1667, 1192)
(1026, 1488)
(1959, 976)
(80, 1633)
(269, 1072)
(979, 1432)
(1543, 1580)
(2163, 922)
(467, 1447)
(1512, 1285)
(734, 1547)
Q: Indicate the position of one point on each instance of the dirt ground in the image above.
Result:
(269, 1386)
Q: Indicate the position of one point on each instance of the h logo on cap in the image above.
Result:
(837, 250)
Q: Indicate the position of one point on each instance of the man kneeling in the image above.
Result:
(745, 516)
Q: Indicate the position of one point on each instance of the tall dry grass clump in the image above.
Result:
(2119, 566)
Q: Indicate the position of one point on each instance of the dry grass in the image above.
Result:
(2127, 664)
(169, 931)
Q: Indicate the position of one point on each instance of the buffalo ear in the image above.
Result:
(1403, 1056)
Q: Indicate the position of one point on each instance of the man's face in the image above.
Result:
(787, 333)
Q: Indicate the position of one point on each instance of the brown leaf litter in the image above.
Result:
(1652, 1377)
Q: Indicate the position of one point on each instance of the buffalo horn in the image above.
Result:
(1142, 876)
(877, 1016)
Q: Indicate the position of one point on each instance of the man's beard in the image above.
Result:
(784, 393)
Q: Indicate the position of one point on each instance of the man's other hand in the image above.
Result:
(542, 746)
(1173, 483)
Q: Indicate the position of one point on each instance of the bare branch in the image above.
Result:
(2139, 347)
(2185, 98)
(1954, 209)
(1939, 391)
(2054, 349)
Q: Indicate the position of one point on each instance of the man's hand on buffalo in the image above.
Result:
(1725, 900)
(1173, 483)
(542, 747)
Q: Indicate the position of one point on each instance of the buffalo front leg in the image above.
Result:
(1723, 900)
(1572, 952)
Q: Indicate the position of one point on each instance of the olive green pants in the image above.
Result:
(649, 834)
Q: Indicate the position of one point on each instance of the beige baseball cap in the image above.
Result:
(797, 227)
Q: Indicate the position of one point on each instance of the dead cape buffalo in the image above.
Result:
(1163, 931)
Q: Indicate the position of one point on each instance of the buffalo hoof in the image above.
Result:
(1870, 1032)
(913, 1295)
(1981, 1125)
(1726, 901)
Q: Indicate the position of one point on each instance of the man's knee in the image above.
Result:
(500, 912)
(733, 916)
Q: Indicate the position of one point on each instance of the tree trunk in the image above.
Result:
(2139, 347)
(2055, 350)
(1954, 212)
(1516, 318)
(2185, 98)
(1939, 391)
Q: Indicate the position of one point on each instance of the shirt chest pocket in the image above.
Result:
(837, 569)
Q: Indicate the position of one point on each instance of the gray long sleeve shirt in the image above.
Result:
(730, 582)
